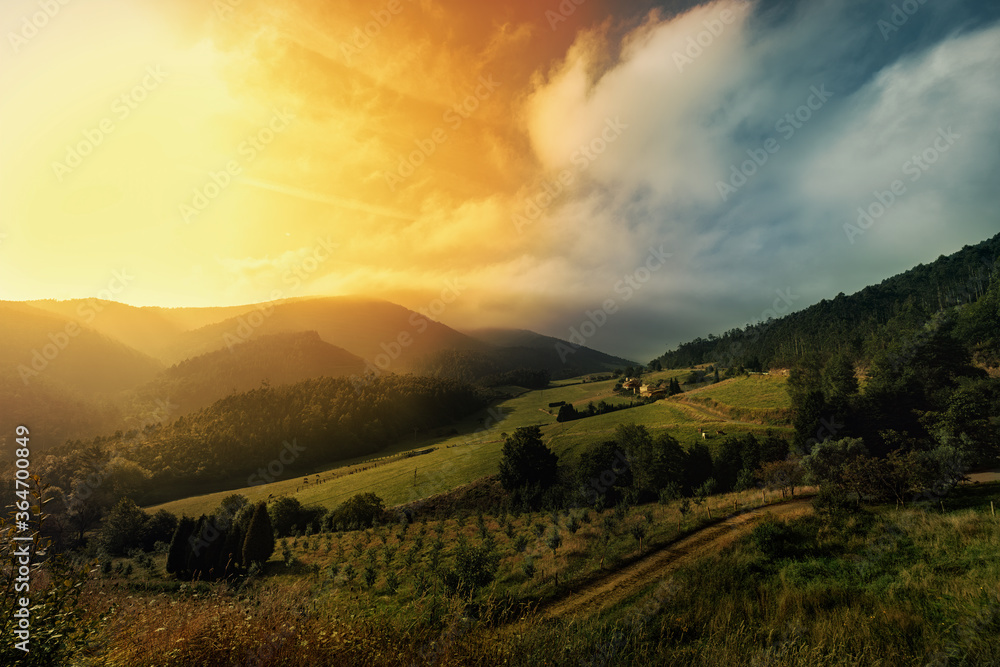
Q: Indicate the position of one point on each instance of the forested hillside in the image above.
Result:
(276, 359)
(864, 324)
(324, 419)
(529, 367)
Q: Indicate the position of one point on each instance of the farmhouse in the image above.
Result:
(650, 391)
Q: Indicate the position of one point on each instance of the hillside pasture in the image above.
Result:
(398, 476)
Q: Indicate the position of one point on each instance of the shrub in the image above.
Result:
(774, 539)
(159, 527)
(554, 541)
(474, 568)
(122, 528)
(363, 510)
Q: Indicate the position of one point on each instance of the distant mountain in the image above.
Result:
(150, 330)
(34, 342)
(522, 338)
(52, 412)
(864, 324)
(83, 367)
(518, 349)
(388, 336)
(59, 378)
(275, 359)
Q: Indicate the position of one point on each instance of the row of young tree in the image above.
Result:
(637, 467)
(233, 537)
(568, 413)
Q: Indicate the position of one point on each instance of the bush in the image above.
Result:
(288, 515)
(475, 567)
(179, 546)
(833, 503)
(603, 471)
(122, 528)
(159, 528)
(774, 539)
(362, 511)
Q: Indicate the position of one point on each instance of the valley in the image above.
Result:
(437, 333)
(476, 450)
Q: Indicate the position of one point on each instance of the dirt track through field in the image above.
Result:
(616, 586)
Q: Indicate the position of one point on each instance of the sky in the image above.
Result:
(642, 173)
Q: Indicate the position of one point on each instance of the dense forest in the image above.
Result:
(314, 422)
(864, 324)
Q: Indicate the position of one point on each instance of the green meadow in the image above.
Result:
(403, 473)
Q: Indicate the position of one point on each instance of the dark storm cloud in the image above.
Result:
(765, 158)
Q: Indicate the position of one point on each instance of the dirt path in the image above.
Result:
(598, 595)
(988, 476)
(718, 415)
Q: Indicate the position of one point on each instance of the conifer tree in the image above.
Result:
(179, 547)
(259, 543)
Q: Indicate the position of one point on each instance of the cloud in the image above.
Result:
(624, 129)
(338, 202)
(842, 128)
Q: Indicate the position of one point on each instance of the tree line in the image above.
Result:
(635, 467)
(867, 323)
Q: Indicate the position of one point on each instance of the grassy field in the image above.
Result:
(759, 399)
(753, 391)
(476, 451)
(876, 586)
